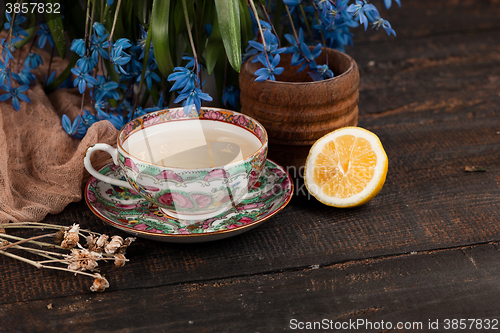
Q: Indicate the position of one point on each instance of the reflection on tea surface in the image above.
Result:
(192, 144)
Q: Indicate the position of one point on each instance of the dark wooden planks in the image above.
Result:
(430, 18)
(431, 97)
(428, 202)
(417, 288)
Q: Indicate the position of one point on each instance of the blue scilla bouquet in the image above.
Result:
(130, 56)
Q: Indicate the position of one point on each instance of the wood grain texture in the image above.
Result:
(415, 288)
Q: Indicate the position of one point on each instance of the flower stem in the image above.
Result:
(39, 265)
(306, 21)
(144, 68)
(190, 35)
(53, 246)
(256, 14)
(117, 11)
(26, 240)
(270, 21)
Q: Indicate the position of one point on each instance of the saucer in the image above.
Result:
(128, 211)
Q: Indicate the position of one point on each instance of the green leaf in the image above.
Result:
(214, 48)
(56, 27)
(160, 19)
(246, 23)
(211, 54)
(228, 15)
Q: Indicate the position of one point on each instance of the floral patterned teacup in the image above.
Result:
(178, 186)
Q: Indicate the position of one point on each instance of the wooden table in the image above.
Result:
(426, 249)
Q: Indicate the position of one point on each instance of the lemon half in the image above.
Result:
(346, 167)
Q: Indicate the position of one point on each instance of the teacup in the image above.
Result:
(193, 166)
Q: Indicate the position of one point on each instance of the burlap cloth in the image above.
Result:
(41, 167)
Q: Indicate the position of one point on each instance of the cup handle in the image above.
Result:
(114, 154)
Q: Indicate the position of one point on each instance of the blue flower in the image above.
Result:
(4, 73)
(208, 30)
(191, 98)
(99, 46)
(77, 129)
(82, 80)
(380, 22)
(51, 77)
(141, 44)
(292, 3)
(269, 70)
(230, 97)
(86, 64)
(117, 121)
(99, 29)
(150, 75)
(184, 78)
(7, 51)
(16, 26)
(133, 69)
(271, 45)
(44, 36)
(104, 89)
(33, 60)
(190, 60)
(118, 57)
(360, 10)
(388, 3)
(16, 94)
(24, 77)
(321, 72)
(78, 46)
(88, 118)
(109, 2)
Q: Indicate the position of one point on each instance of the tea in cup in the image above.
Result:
(193, 166)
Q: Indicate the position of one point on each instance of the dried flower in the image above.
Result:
(74, 258)
(126, 244)
(83, 260)
(120, 260)
(115, 243)
(101, 242)
(59, 237)
(100, 283)
(71, 237)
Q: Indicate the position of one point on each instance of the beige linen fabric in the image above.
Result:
(41, 167)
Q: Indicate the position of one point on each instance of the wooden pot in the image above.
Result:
(296, 111)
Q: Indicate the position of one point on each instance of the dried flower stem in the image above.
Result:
(256, 14)
(39, 265)
(42, 226)
(114, 24)
(190, 35)
(27, 240)
(32, 241)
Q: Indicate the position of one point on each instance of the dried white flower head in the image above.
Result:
(120, 260)
(126, 244)
(101, 241)
(100, 283)
(71, 237)
(115, 243)
(83, 260)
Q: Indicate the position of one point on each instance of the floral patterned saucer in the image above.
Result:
(126, 210)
